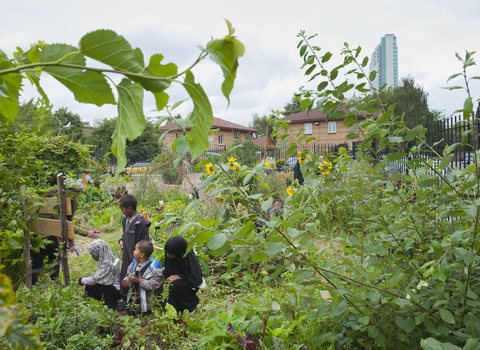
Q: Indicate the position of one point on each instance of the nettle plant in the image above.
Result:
(401, 271)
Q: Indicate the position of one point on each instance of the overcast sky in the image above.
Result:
(428, 32)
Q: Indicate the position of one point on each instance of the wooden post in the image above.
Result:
(26, 249)
(64, 228)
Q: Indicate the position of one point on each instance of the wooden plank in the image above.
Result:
(49, 227)
(48, 209)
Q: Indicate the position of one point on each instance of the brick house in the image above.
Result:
(316, 125)
(228, 132)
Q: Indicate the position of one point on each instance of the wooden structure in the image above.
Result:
(50, 227)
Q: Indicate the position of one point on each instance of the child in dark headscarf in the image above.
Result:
(184, 273)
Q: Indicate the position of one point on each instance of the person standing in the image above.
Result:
(135, 229)
(53, 242)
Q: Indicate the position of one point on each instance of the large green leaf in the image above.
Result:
(225, 52)
(161, 70)
(131, 121)
(201, 118)
(87, 86)
(274, 248)
(114, 50)
(10, 85)
(217, 241)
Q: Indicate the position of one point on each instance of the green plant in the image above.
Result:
(67, 64)
(163, 165)
(59, 155)
(245, 152)
(280, 163)
(65, 318)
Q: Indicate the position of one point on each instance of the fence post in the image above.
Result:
(64, 228)
(477, 128)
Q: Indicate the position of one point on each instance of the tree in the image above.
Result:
(144, 146)
(65, 123)
(411, 99)
(260, 124)
(101, 136)
(293, 106)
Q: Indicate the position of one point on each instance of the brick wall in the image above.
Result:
(321, 133)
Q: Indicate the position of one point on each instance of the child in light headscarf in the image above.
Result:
(105, 283)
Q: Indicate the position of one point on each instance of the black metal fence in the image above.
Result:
(439, 135)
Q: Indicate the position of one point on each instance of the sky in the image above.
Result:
(429, 33)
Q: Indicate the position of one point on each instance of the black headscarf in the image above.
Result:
(188, 267)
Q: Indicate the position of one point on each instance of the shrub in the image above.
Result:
(280, 163)
(246, 154)
(163, 165)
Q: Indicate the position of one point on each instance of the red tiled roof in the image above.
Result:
(217, 124)
(315, 115)
(261, 141)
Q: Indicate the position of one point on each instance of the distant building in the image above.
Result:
(87, 128)
(227, 133)
(385, 62)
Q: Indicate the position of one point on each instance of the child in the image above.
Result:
(144, 277)
(135, 229)
(105, 283)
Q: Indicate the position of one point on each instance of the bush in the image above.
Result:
(276, 183)
(163, 165)
(59, 155)
(280, 163)
(246, 154)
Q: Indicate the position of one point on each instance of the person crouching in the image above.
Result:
(144, 278)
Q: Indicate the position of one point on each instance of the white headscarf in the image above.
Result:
(106, 274)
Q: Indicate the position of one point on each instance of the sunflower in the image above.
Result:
(232, 163)
(209, 169)
(301, 158)
(289, 191)
(325, 167)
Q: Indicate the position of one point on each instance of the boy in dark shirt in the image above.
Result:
(135, 229)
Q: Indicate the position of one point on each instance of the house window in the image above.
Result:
(184, 133)
(220, 139)
(247, 136)
(308, 128)
(176, 135)
(236, 135)
(332, 127)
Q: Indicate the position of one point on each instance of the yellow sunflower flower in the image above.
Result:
(232, 163)
(209, 169)
(289, 191)
(301, 158)
(325, 167)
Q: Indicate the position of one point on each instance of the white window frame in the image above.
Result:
(236, 135)
(307, 128)
(247, 136)
(332, 127)
(220, 139)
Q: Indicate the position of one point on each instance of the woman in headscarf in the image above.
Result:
(105, 283)
(184, 273)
